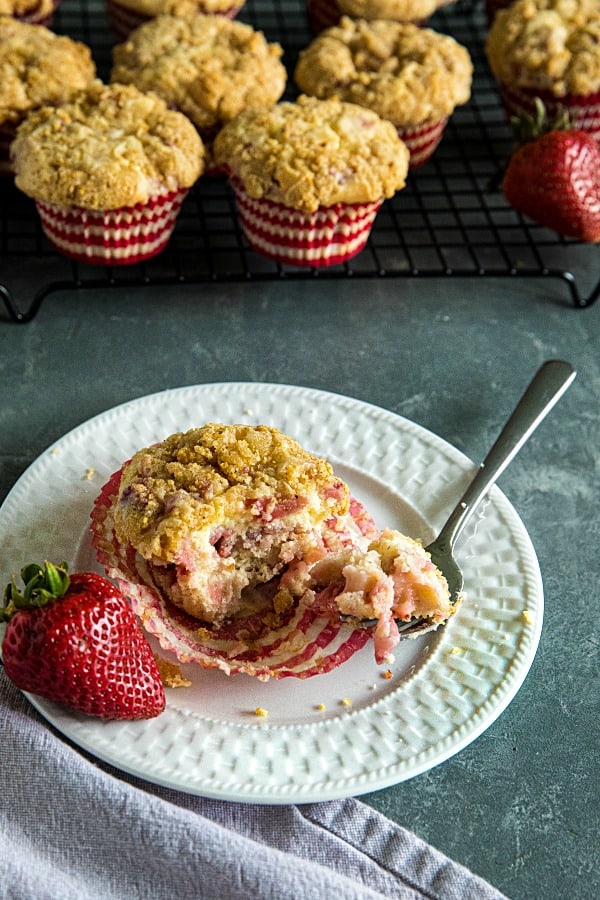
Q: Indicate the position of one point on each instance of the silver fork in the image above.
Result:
(547, 386)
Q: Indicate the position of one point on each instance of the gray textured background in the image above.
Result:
(519, 806)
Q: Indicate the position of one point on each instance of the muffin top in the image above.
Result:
(110, 146)
(313, 153)
(208, 67)
(551, 45)
(396, 10)
(194, 480)
(153, 8)
(38, 67)
(21, 8)
(404, 73)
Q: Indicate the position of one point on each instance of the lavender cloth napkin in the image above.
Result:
(74, 828)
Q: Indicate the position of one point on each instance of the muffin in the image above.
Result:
(235, 544)
(412, 76)
(325, 13)
(108, 172)
(36, 67)
(34, 12)
(549, 49)
(309, 177)
(206, 67)
(125, 16)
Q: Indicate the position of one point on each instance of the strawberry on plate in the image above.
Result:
(554, 177)
(76, 641)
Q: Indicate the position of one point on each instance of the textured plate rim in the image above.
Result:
(98, 738)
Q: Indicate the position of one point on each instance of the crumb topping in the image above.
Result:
(399, 10)
(200, 478)
(38, 67)
(153, 8)
(314, 153)
(550, 45)
(110, 146)
(406, 74)
(208, 67)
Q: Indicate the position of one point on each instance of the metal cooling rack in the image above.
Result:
(448, 221)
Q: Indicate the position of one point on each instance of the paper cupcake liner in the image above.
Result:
(305, 643)
(327, 237)
(115, 236)
(323, 14)
(492, 7)
(584, 111)
(422, 141)
(123, 20)
(36, 17)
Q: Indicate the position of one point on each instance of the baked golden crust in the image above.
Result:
(208, 67)
(196, 479)
(406, 74)
(222, 508)
(20, 8)
(153, 8)
(550, 45)
(314, 153)
(110, 146)
(38, 67)
(397, 10)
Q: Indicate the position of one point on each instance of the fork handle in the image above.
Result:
(547, 386)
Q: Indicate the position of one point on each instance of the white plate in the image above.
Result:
(352, 730)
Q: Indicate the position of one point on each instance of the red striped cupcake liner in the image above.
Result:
(114, 237)
(584, 111)
(322, 14)
(123, 20)
(327, 237)
(422, 141)
(492, 7)
(35, 17)
(308, 640)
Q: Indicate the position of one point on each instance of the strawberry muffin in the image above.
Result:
(34, 12)
(241, 550)
(325, 13)
(549, 49)
(37, 67)
(108, 171)
(206, 67)
(310, 177)
(125, 16)
(414, 77)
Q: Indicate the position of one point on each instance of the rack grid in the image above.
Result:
(450, 220)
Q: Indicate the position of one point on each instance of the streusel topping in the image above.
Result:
(153, 8)
(199, 478)
(38, 67)
(111, 146)
(404, 73)
(547, 44)
(314, 153)
(397, 10)
(208, 67)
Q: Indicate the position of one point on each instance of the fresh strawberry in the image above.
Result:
(75, 640)
(554, 178)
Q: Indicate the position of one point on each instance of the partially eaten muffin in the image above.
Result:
(242, 550)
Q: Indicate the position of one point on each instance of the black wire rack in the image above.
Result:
(450, 220)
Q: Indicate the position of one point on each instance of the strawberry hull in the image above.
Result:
(584, 111)
(85, 649)
(305, 641)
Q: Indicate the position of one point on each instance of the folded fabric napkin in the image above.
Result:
(76, 828)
